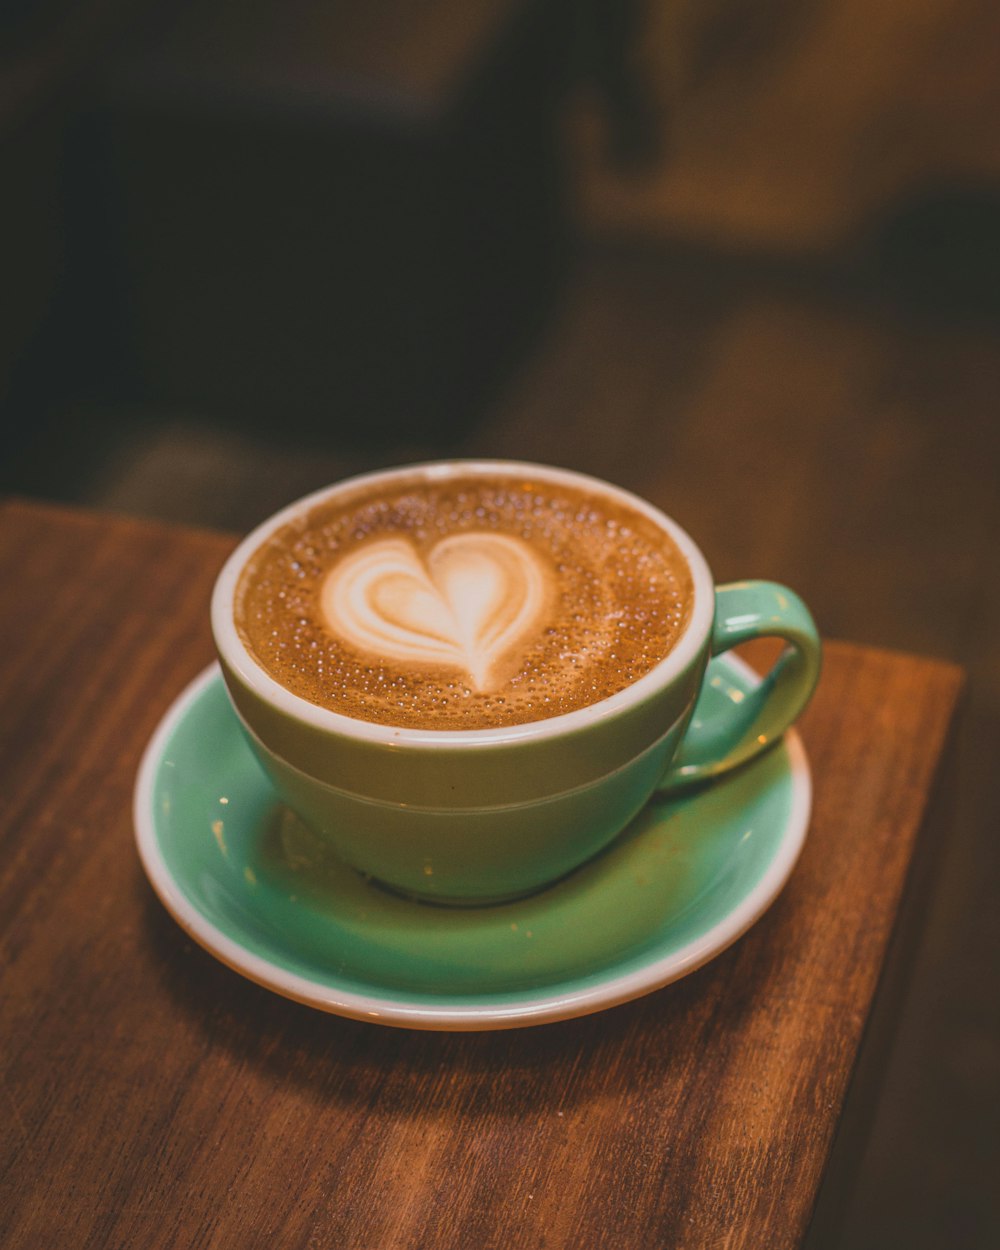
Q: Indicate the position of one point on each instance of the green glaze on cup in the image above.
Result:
(479, 816)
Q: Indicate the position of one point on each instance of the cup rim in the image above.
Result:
(236, 656)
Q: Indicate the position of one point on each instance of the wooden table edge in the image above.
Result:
(843, 1168)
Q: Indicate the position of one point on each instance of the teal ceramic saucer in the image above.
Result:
(250, 883)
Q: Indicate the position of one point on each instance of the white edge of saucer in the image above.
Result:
(543, 1009)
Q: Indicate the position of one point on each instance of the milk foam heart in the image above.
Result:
(472, 602)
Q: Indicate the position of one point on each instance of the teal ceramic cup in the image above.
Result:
(484, 815)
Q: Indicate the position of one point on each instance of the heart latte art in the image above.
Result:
(470, 601)
(474, 599)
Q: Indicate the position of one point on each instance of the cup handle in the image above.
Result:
(716, 742)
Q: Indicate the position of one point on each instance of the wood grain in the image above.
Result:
(152, 1098)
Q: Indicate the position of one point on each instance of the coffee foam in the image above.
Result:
(477, 597)
(467, 603)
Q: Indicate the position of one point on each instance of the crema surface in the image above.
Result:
(470, 603)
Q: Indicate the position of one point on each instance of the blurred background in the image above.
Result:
(740, 256)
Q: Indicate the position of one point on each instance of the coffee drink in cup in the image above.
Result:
(466, 678)
(463, 600)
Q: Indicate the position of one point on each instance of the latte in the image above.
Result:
(464, 602)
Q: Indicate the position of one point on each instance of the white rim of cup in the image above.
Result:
(237, 657)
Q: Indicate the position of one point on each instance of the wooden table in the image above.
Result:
(153, 1098)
